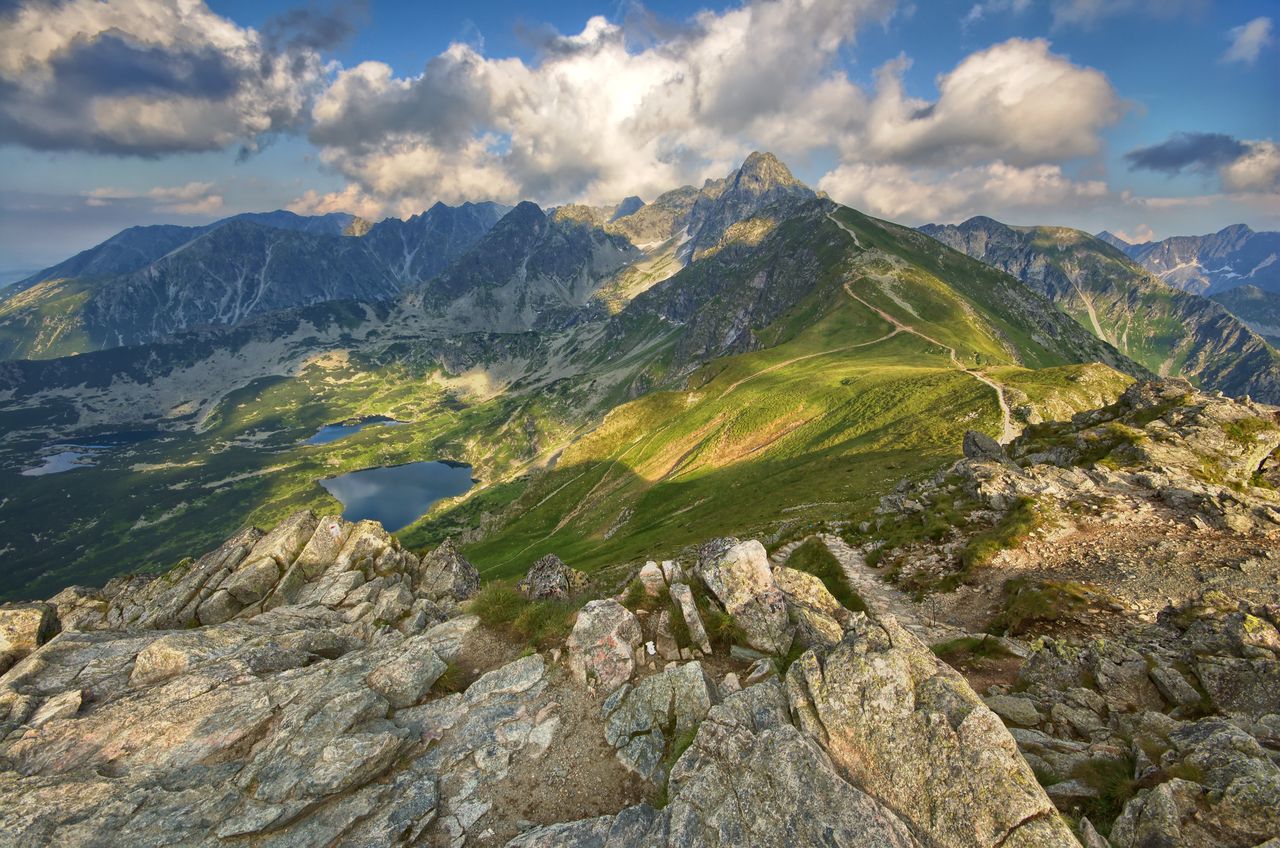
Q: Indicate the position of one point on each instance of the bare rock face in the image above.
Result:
(894, 719)
(446, 573)
(603, 644)
(549, 577)
(23, 628)
(741, 580)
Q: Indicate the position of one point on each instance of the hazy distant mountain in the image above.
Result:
(1233, 256)
(1171, 332)
(1257, 308)
(147, 282)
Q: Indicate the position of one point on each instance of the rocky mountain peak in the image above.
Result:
(762, 172)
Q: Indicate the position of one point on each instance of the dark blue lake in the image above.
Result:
(397, 495)
(333, 432)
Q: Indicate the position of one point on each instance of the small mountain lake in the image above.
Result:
(397, 495)
(70, 454)
(332, 432)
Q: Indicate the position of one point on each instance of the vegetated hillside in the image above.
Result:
(1256, 307)
(150, 282)
(850, 364)
(773, 419)
(1171, 332)
(1233, 256)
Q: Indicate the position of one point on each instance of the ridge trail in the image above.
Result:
(1008, 431)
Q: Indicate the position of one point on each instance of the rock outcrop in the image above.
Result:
(318, 684)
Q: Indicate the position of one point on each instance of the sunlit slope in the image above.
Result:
(865, 390)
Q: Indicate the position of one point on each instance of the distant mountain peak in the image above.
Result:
(763, 171)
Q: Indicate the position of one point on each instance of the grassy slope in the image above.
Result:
(825, 428)
(44, 321)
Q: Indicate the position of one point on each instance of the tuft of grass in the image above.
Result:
(970, 648)
(1114, 782)
(783, 662)
(498, 604)
(1244, 432)
(814, 558)
(1028, 602)
(453, 679)
(636, 598)
(540, 623)
(1024, 518)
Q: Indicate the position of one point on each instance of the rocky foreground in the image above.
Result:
(319, 685)
(282, 690)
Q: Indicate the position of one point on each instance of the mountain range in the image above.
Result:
(1209, 264)
(1169, 331)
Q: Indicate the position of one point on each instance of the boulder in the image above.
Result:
(446, 574)
(818, 617)
(407, 678)
(643, 721)
(602, 646)
(982, 447)
(894, 718)
(1233, 801)
(549, 577)
(652, 580)
(683, 596)
(23, 628)
(1014, 709)
(741, 580)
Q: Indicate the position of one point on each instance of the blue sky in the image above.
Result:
(1143, 117)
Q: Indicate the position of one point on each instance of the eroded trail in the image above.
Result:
(1007, 431)
(879, 596)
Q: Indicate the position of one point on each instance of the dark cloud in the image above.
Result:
(314, 28)
(1187, 151)
(112, 65)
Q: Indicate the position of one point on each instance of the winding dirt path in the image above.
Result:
(1007, 432)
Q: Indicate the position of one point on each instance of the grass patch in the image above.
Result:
(784, 661)
(1028, 602)
(1245, 431)
(1024, 518)
(539, 623)
(1113, 780)
(636, 597)
(814, 558)
(454, 679)
(970, 648)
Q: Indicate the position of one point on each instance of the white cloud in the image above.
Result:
(1257, 171)
(1140, 234)
(1248, 40)
(1088, 12)
(921, 195)
(1016, 101)
(145, 77)
(194, 198)
(599, 117)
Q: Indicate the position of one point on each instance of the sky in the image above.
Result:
(1148, 118)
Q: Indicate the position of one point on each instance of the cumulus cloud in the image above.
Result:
(1248, 40)
(1016, 101)
(918, 195)
(602, 113)
(148, 77)
(1256, 171)
(194, 198)
(1241, 166)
